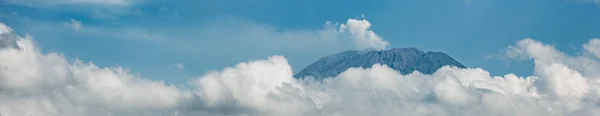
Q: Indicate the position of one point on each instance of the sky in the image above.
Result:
(238, 57)
(157, 37)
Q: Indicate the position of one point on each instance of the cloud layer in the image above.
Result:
(46, 3)
(47, 84)
(38, 84)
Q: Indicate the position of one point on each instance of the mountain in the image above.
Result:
(405, 60)
(8, 38)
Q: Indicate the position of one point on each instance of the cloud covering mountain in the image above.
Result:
(47, 84)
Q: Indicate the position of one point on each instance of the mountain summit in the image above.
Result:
(405, 60)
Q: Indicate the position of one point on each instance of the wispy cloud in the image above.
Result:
(350, 35)
(74, 24)
(179, 66)
(173, 13)
(593, 47)
(53, 3)
(93, 9)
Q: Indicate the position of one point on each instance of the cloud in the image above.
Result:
(47, 3)
(36, 83)
(570, 79)
(353, 34)
(74, 24)
(362, 36)
(257, 40)
(263, 87)
(179, 66)
(33, 83)
(93, 9)
(593, 47)
(556, 89)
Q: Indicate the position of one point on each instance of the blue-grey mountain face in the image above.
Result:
(405, 60)
(8, 38)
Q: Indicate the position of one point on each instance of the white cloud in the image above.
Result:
(265, 87)
(593, 47)
(556, 89)
(357, 32)
(74, 24)
(33, 83)
(36, 83)
(363, 37)
(570, 79)
(5, 29)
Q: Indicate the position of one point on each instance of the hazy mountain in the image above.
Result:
(405, 60)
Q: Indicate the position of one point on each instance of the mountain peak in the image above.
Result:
(8, 37)
(405, 60)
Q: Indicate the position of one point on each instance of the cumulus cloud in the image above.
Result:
(357, 31)
(593, 47)
(572, 80)
(36, 83)
(362, 36)
(74, 24)
(263, 87)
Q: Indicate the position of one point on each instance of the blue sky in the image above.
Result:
(152, 37)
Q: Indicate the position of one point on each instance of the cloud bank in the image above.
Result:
(47, 84)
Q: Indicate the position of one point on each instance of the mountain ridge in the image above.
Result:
(404, 60)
